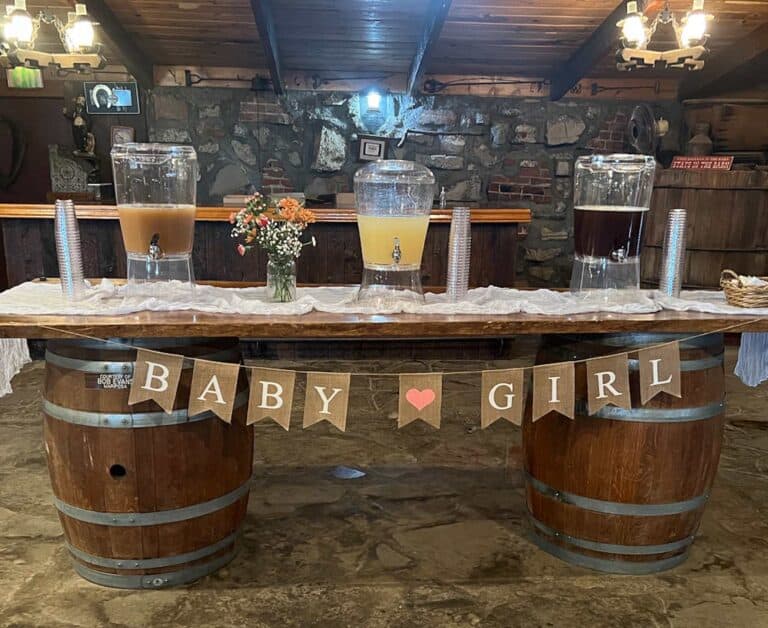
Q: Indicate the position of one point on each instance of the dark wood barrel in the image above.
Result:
(146, 499)
(623, 491)
(727, 224)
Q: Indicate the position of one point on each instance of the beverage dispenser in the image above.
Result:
(612, 195)
(394, 200)
(156, 192)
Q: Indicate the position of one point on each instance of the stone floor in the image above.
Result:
(433, 535)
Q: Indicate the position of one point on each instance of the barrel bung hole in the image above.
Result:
(117, 471)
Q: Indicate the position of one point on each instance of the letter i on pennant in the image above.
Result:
(554, 389)
(214, 387)
(271, 396)
(608, 382)
(659, 371)
(156, 377)
(327, 398)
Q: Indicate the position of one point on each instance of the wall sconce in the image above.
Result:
(690, 32)
(19, 32)
(373, 99)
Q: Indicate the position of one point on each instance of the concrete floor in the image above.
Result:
(434, 535)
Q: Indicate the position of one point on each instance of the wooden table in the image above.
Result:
(671, 477)
(317, 325)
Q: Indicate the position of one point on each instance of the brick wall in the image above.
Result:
(611, 137)
(274, 179)
(532, 183)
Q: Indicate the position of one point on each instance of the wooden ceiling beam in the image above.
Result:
(738, 66)
(262, 13)
(436, 14)
(136, 61)
(590, 52)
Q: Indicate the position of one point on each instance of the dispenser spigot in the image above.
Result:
(397, 254)
(155, 252)
(619, 255)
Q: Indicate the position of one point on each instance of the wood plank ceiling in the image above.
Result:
(370, 38)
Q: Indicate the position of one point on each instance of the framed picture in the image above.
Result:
(372, 148)
(111, 98)
(122, 134)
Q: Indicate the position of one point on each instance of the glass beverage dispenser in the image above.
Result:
(156, 191)
(394, 200)
(612, 194)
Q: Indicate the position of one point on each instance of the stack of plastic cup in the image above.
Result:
(68, 251)
(673, 255)
(459, 244)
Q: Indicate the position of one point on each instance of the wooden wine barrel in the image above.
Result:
(727, 224)
(146, 499)
(623, 491)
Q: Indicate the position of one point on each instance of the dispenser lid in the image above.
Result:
(617, 162)
(395, 171)
(132, 149)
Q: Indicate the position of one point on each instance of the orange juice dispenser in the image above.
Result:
(394, 200)
(156, 192)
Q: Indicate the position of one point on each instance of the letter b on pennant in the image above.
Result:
(156, 377)
(271, 396)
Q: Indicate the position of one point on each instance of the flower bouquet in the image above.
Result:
(278, 231)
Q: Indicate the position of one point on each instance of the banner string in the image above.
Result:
(126, 345)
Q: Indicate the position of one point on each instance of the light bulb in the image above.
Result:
(633, 30)
(19, 29)
(79, 35)
(374, 100)
(694, 29)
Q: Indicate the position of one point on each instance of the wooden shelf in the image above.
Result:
(221, 214)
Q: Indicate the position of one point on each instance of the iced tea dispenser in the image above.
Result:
(394, 200)
(612, 195)
(156, 191)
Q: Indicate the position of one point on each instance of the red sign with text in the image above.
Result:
(708, 162)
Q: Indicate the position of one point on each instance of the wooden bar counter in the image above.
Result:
(29, 251)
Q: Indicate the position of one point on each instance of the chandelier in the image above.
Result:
(690, 36)
(18, 34)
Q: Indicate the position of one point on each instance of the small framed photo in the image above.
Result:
(110, 98)
(122, 134)
(372, 148)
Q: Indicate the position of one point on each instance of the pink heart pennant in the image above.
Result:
(420, 399)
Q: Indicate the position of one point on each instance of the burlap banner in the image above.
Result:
(271, 396)
(554, 389)
(502, 396)
(156, 377)
(327, 399)
(214, 388)
(659, 371)
(421, 397)
(608, 382)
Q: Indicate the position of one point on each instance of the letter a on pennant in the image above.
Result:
(156, 377)
(554, 390)
(421, 397)
(214, 387)
(326, 399)
(502, 397)
(608, 382)
(659, 371)
(271, 396)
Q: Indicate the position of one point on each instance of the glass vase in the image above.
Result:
(281, 280)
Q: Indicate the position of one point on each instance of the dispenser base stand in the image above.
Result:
(147, 277)
(384, 287)
(602, 273)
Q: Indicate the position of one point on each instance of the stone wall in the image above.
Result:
(495, 152)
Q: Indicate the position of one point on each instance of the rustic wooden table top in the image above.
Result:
(317, 325)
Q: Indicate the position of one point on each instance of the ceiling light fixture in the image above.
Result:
(19, 33)
(637, 33)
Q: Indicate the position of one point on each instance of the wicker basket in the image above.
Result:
(736, 293)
